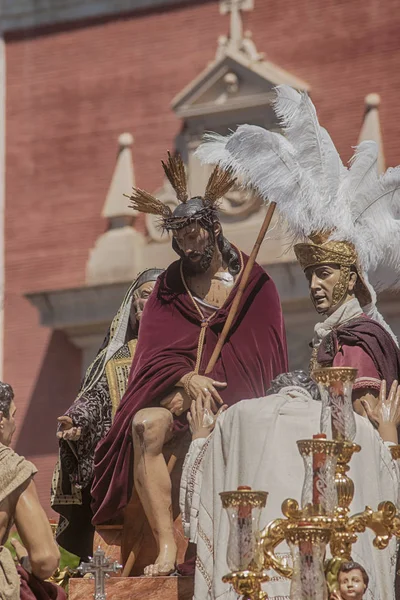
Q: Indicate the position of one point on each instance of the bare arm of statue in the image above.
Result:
(35, 532)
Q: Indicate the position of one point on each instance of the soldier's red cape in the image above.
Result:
(254, 353)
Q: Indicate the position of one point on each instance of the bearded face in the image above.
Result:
(196, 246)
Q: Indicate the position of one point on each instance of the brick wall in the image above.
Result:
(72, 91)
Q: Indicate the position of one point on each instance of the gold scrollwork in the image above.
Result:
(309, 533)
(247, 584)
(395, 451)
(329, 375)
(347, 449)
(318, 446)
(252, 498)
(342, 253)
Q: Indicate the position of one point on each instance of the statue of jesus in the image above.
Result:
(179, 331)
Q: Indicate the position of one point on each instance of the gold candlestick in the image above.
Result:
(244, 554)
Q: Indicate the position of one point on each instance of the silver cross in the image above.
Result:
(99, 566)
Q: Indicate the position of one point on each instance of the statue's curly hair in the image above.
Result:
(6, 397)
(296, 378)
(350, 565)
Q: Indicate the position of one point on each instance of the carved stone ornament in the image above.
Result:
(239, 204)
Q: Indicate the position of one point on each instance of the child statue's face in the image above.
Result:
(351, 585)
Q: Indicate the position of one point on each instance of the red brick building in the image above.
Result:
(76, 77)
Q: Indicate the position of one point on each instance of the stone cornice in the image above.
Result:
(26, 14)
(88, 309)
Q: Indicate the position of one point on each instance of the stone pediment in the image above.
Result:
(231, 83)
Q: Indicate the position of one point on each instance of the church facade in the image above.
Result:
(95, 94)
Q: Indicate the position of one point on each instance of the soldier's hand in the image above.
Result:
(67, 430)
(385, 416)
(200, 417)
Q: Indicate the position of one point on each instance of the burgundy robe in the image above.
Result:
(364, 344)
(254, 353)
(36, 589)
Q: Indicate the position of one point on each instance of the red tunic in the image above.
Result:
(364, 344)
(356, 357)
(254, 353)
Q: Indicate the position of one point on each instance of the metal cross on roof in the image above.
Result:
(100, 567)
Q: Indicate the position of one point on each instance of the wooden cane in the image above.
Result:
(242, 285)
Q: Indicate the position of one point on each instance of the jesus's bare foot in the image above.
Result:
(165, 563)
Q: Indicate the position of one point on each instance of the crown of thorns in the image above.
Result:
(219, 183)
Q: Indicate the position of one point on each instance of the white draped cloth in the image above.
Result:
(346, 312)
(254, 444)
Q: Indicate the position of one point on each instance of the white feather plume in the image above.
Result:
(315, 151)
(376, 215)
(372, 311)
(313, 191)
(363, 171)
(269, 162)
(212, 150)
(298, 118)
(335, 171)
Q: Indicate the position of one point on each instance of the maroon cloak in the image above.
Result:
(364, 344)
(37, 589)
(253, 354)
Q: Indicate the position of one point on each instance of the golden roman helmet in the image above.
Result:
(321, 251)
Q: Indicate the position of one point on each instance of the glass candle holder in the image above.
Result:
(243, 507)
(308, 579)
(336, 387)
(319, 496)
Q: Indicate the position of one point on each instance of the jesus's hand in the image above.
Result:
(67, 430)
(200, 384)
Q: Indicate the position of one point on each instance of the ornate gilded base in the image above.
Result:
(248, 584)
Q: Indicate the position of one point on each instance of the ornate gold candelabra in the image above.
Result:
(324, 516)
(336, 390)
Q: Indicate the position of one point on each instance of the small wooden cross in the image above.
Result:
(100, 567)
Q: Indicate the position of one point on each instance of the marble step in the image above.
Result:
(135, 588)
